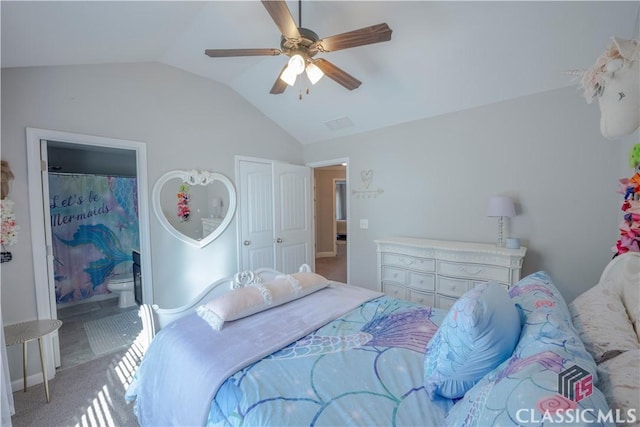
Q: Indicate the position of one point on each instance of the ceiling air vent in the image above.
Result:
(341, 123)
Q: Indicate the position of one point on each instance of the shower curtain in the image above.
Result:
(94, 227)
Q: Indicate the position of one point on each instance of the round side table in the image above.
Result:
(22, 333)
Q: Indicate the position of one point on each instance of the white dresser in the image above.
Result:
(437, 272)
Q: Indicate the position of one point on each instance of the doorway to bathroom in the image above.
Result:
(94, 228)
(79, 181)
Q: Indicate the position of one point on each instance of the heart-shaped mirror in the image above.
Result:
(194, 206)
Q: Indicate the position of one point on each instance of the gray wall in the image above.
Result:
(186, 121)
(544, 150)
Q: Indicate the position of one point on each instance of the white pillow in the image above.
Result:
(602, 323)
(252, 299)
(631, 292)
(619, 380)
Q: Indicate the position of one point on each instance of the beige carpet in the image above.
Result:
(90, 394)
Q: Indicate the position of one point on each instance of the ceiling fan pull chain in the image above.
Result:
(306, 92)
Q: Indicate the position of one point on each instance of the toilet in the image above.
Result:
(122, 284)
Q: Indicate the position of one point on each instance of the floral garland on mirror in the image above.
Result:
(184, 212)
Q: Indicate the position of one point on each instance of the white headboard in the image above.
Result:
(164, 316)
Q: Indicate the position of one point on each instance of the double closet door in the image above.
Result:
(275, 215)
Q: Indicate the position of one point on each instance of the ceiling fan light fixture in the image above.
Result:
(296, 64)
(288, 76)
(314, 73)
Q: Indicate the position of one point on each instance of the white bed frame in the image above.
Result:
(155, 318)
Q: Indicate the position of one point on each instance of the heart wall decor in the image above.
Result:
(366, 177)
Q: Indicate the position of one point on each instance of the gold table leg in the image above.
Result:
(44, 372)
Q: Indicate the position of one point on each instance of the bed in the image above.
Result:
(266, 349)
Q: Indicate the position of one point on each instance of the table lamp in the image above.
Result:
(501, 206)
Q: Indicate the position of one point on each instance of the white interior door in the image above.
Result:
(293, 214)
(275, 215)
(255, 213)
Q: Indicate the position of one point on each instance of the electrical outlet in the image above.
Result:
(364, 224)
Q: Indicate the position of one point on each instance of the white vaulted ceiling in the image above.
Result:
(442, 56)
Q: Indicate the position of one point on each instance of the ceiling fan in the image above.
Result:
(301, 45)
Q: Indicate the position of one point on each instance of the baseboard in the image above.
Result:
(325, 254)
(33, 379)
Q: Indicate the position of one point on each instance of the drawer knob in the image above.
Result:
(407, 261)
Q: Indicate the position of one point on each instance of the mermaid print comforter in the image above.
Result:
(364, 368)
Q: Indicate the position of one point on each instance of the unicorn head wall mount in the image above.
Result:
(614, 80)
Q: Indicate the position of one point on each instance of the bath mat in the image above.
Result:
(112, 333)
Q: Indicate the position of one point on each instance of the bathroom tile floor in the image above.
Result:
(74, 343)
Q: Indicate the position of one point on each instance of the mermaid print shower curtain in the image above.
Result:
(94, 227)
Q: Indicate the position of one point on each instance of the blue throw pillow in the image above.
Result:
(537, 292)
(479, 332)
(525, 386)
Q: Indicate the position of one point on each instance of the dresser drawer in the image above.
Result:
(394, 290)
(474, 271)
(424, 298)
(422, 281)
(413, 263)
(452, 287)
(392, 274)
(445, 303)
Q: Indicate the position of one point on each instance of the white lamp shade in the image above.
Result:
(501, 206)
(296, 64)
(288, 76)
(314, 73)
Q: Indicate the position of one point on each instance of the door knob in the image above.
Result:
(278, 240)
(246, 242)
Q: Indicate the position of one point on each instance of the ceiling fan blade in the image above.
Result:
(336, 74)
(221, 53)
(279, 85)
(367, 35)
(282, 17)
